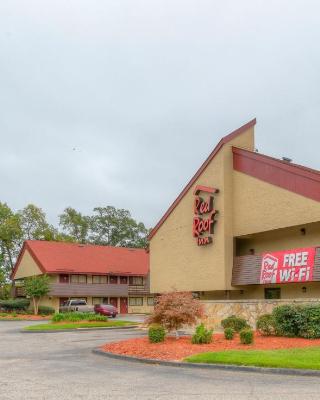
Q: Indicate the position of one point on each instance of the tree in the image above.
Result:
(176, 309)
(10, 238)
(115, 227)
(37, 287)
(34, 225)
(75, 224)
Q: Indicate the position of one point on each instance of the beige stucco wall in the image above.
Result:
(144, 309)
(280, 239)
(259, 206)
(176, 262)
(27, 267)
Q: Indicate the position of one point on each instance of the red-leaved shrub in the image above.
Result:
(175, 309)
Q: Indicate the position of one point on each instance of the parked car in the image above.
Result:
(106, 309)
(78, 305)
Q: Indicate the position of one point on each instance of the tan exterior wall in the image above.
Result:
(280, 239)
(50, 302)
(176, 262)
(27, 267)
(259, 206)
(144, 309)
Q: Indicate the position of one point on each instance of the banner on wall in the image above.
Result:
(287, 266)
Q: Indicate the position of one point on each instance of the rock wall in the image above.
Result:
(216, 310)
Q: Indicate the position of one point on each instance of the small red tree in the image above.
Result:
(175, 309)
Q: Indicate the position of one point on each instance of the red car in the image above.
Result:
(106, 309)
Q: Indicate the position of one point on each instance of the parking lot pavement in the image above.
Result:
(60, 366)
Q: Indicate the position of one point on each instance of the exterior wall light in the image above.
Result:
(303, 231)
(304, 289)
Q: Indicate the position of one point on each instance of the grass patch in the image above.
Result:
(54, 327)
(300, 358)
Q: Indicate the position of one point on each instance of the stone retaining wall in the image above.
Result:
(216, 310)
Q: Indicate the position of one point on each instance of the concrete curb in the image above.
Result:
(225, 367)
(102, 328)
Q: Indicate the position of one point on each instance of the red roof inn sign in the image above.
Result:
(204, 214)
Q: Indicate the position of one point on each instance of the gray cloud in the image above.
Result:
(106, 102)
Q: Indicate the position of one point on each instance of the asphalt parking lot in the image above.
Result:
(61, 366)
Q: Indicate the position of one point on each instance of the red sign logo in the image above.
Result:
(287, 266)
(204, 219)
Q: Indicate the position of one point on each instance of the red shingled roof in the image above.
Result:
(60, 257)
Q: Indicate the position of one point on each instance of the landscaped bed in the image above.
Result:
(177, 350)
(79, 325)
(22, 317)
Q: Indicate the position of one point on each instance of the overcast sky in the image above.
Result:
(118, 102)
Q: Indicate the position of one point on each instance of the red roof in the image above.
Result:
(222, 142)
(293, 177)
(60, 257)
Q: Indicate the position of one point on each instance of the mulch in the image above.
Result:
(176, 350)
(27, 317)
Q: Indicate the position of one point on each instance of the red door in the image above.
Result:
(114, 302)
(123, 305)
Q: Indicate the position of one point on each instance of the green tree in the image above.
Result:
(75, 225)
(34, 225)
(10, 238)
(115, 227)
(36, 287)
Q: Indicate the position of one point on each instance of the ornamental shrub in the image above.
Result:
(235, 323)
(44, 310)
(202, 335)
(156, 333)
(309, 325)
(229, 333)
(77, 316)
(288, 320)
(14, 304)
(246, 336)
(176, 309)
(266, 325)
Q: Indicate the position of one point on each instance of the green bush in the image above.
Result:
(246, 336)
(202, 335)
(235, 323)
(14, 304)
(77, 316)
(266, 325)
(156, 333)
(44, 310)
(229, 333)
(288, 320)
(97, 317)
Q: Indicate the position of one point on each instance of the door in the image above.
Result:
(123, 305)
(114, 302)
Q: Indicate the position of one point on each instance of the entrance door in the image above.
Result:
(123, 305)
(114, 302)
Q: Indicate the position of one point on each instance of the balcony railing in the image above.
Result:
(138, 289)
(93, 289)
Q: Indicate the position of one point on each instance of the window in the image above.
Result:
(136, 280)
(272, 293)
(136, 301)
(78, 278)
(113, 279)
(97, 300)
(99, 278)
(63, 278)
(150, 301)
(123, 280)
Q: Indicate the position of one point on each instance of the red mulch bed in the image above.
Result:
(176, 350)
(27, 317)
